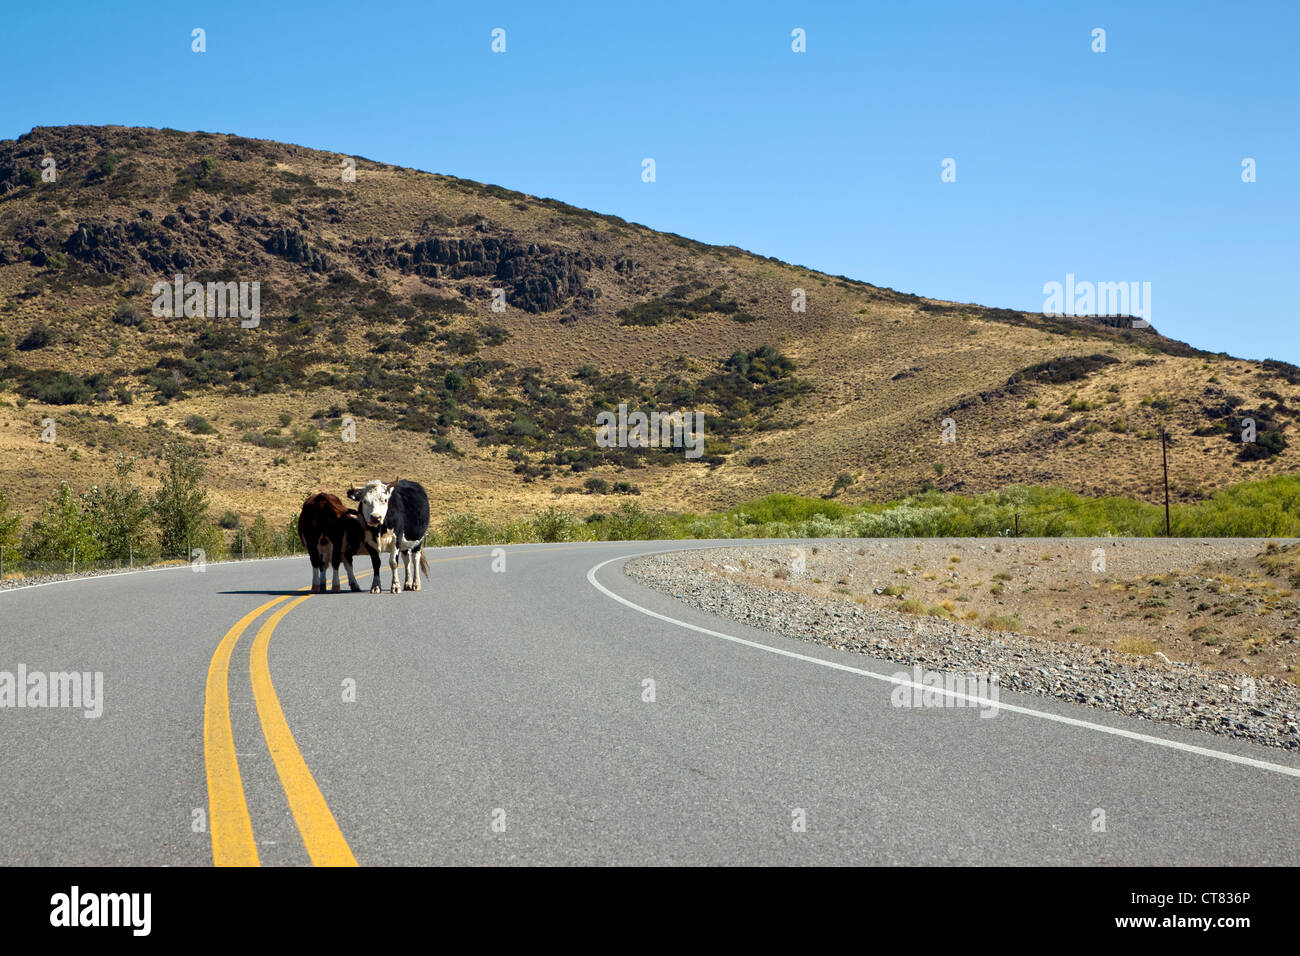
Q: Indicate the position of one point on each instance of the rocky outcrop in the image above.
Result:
(290, 244)
(538, 278)
(118, 248)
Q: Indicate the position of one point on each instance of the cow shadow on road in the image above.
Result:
(263, 591)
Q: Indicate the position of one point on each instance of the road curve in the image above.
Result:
(501, 716)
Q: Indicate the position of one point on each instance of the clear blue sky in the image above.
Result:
(1122, 166)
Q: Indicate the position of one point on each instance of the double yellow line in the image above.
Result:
(228, 819)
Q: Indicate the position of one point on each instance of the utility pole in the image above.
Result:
(1164, 458)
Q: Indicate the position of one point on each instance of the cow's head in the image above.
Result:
(372, 502)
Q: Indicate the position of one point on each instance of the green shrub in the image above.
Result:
(199, 425)
(287, 541)
(107, 163)
(1069, 368)
(180, 506)
(268, 439)
(1266, 445)
(208, 538)
(63, 531)
(787, 508)
(630, 523)
(494, 334)
(676, 305)
(306, 439)
(56, 388)
(261, 541)
(9, 524)
(554, 524)
(1266, 508)
(460, 343)
(38, 337)
(466, 528)
(524, 427)
(119, 516)
(127, 314)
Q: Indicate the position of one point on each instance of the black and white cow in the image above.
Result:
(332, 534)
(396, 518)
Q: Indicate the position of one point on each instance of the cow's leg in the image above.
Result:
(392, 566)
(352, 578)
(417, 559)
(406, 571)
(330, 558)
(317, 569)
(374, 562)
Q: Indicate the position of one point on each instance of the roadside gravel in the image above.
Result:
(1264, 711)
(10, 584)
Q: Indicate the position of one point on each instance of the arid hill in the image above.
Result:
(377, 324)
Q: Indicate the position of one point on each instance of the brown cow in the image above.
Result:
(332, 534)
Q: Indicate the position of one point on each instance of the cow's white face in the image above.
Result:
(374, 503)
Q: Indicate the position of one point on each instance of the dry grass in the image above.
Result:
(883, 365)
(1136, 645)
(1224, 611)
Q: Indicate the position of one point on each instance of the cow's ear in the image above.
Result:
(354, 494)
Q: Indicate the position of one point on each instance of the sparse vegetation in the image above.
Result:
(1002, 622)
(389, 319)
(1136, 645)
(199, 425)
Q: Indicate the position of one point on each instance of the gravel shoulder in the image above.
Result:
(785, 589)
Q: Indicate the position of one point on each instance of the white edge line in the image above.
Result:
(1014, 708)
(126, 574)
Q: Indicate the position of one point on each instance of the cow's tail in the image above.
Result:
(424, 566)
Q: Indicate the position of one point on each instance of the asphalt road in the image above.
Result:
(501, 716)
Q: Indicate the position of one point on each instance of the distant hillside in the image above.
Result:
(377, 322)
